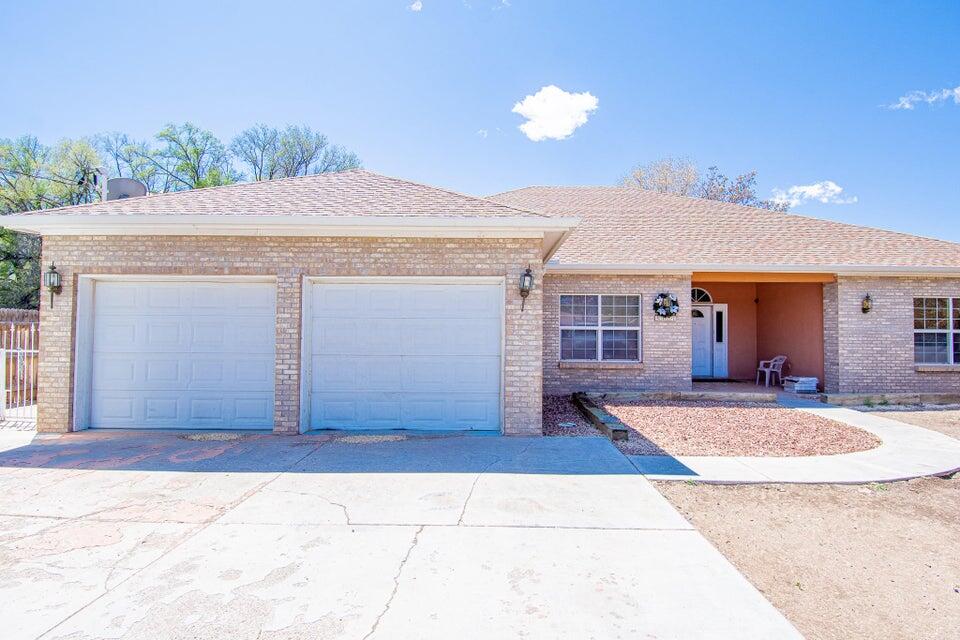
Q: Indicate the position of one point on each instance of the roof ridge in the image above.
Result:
(218, 187)
(723, 203)
(455, 193)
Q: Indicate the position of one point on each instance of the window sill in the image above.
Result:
(598, 364)
(937, 368)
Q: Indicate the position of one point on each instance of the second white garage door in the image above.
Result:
(183, 354)
(405, 356)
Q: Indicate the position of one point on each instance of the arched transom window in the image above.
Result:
(700, 295)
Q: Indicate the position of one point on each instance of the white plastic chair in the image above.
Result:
(772, 370)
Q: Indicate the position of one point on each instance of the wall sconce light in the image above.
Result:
(526, 286)
(52, 281)
(867, 304)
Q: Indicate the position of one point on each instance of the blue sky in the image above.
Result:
(796, 91)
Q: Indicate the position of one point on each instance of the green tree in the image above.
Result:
(34, 176)
(126, 158)
(19, 270)
(188, 157)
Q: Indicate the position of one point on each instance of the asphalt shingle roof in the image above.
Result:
(629, 226)
(348, 193)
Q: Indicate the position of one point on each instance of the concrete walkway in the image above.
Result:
(153, 535)
(906, 452)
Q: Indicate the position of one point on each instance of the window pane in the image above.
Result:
(578, 311)
(930, 348)
(578, 344)
(956, 314)
(621, 344)
(621, 311)
(719, 327)
(931, 313)
(956, 348)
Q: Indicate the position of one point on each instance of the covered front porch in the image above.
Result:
(739, 319)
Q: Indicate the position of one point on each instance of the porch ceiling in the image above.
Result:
(755, 276)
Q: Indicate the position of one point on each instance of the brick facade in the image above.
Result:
(862, 352)
(873, 352)
(831, 338)
(290, 259)
(665, 342)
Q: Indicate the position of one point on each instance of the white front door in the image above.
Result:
(182, 354)
(405, 356)
(702, 341)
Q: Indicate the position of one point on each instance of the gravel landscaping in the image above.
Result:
(561, 418)
(841, 562)
(707, 428)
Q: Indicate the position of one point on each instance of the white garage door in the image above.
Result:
(192, 355)
(405, 356)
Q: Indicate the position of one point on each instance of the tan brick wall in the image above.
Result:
(665, 342)
(289, 260)
(831, 339)
(873, 352)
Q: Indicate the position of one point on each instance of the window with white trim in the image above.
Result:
(936, 330)
(599, 327)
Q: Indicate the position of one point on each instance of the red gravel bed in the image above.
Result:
(559, 410)
(704, 428)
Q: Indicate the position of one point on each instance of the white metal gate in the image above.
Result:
(19, 355)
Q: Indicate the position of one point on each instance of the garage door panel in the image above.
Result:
(166, 298)
(406, 356)
(345, 336)
(453, 337)
(462, 375)
(116, 334)
(171, 410)
(151, 372)
(183, 355)
(253, 334)
(347, 373)
(428, 411)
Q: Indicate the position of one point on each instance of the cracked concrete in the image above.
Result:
(396, 582)
(149, 535)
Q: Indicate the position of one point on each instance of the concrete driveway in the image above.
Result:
(155, 535)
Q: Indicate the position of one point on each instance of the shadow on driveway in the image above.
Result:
(322, 453)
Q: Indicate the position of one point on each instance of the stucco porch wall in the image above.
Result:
(741, 324)
(665, 342)
(790, 322)
(289, 260)
(874, 351)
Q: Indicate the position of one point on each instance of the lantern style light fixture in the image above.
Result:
(867, 304)
(526, 286)
(52, 281)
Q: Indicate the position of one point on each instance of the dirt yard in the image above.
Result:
(946, 420)
(841, 562)
(700, 428)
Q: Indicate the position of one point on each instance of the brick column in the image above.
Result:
(286, 411)
(55, 370)
(831, 338)
(523, 356)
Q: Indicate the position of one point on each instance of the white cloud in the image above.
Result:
(826, 191)
(908, 101)
(416, 6)
(483, 133)
(553, 114)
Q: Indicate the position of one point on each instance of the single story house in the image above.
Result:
(355, 300)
